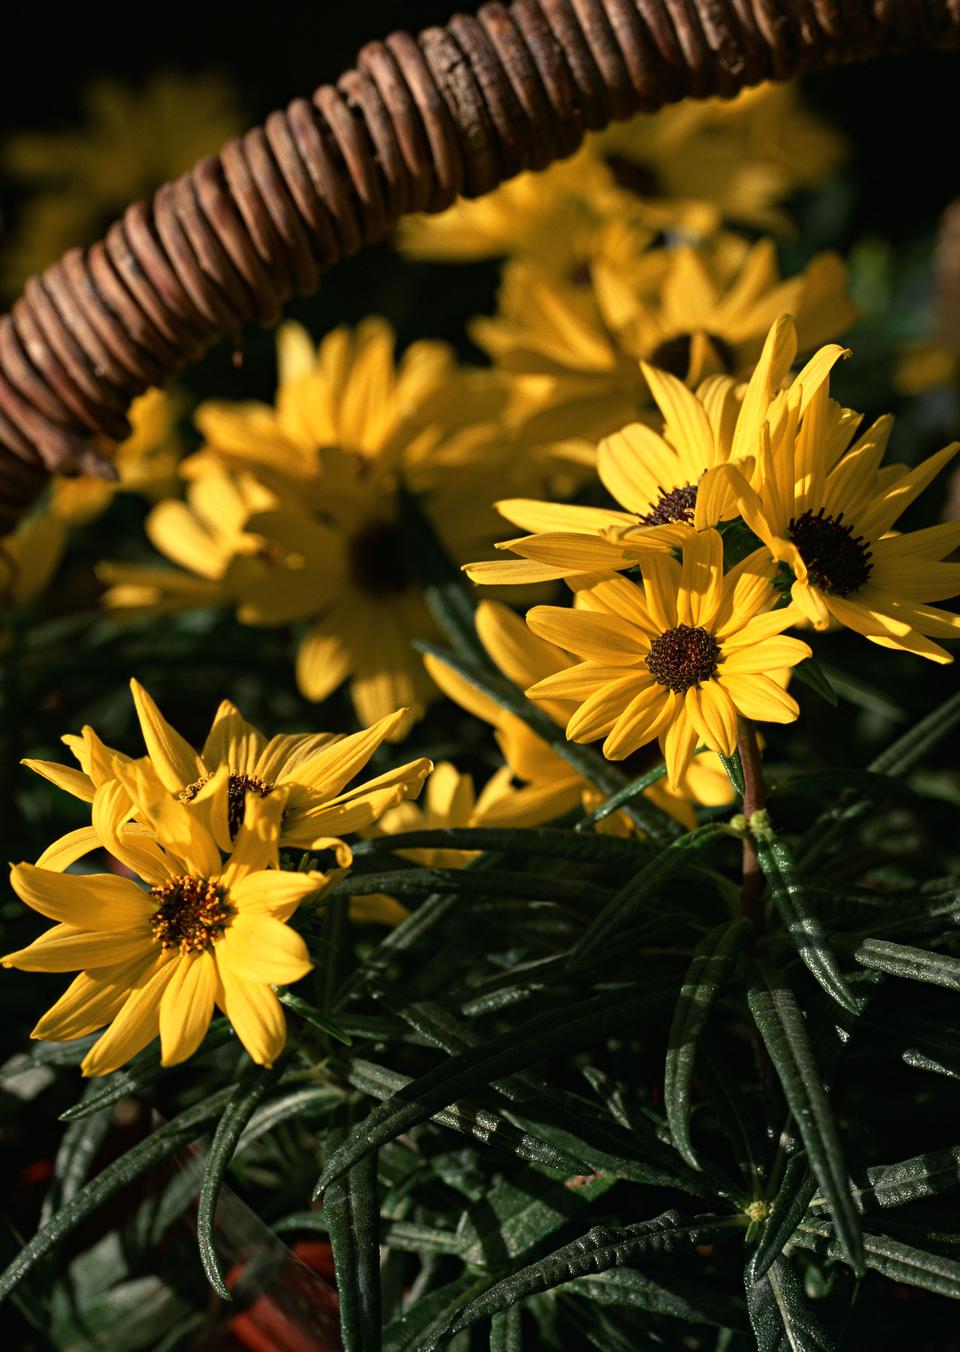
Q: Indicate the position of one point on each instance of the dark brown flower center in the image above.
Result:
(683, 657)
(677, 505)
(238, 786)
(376, 560)
(837, 560)
(637, 176)
(191, 912)
(673, 354)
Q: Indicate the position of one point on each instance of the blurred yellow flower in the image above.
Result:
(676, 660)
(131, 141)
(577, 350)
(155, 960)
(689, 167)
(294, 511)
(146, 463)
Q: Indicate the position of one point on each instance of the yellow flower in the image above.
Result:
(146, 462)
(29, 557)
(352, 430)
(206, 535)
(132, 140)
(685, 168)
(669, 484)
(828, 514)
(309, 771)
(204, 932)
(677, 659)
(551, 787)
(577, 350)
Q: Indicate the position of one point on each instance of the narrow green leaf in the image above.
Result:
(522, 1047)
(520, 1212)
(310, 1103)
(891, 1185)
(310, 1014)
(734, 768)
(800, 920)
(788, 1210)
(595, 944)
(661, 1293)
(79, 1147)
(900, 1262)
(255, 1082)
(585, 760)
(706, 974)
(551, 842)
(405, 1236)
(164, 1141)
(915, 964)
(627, 794)
(352, 1212)
(596, 1251)
(783, 1319)
(909, 750)
(413, 1329)
(784, 1032)
(462, 1116)
(811, 673)
(505, 1332)
(421, 882)
(48, 1054)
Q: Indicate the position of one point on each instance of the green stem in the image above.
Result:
(754, 798)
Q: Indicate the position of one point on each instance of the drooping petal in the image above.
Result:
(186, 1006)
(701, 580)
(521, 656)
(136, 1025)
(594, 636)
(714, 716)
(679, 742)
(257, 844)
(93, 998)
(641, 722)
(758, 696)
(254, 1011)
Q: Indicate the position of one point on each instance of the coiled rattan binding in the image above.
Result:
(419, 121)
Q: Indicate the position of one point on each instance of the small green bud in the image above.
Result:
(758, 1210)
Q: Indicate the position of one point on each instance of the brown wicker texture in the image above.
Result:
(419, 121)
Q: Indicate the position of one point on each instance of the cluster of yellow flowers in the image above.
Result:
(642, 356)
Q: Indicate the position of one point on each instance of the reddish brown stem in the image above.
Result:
(754, 798)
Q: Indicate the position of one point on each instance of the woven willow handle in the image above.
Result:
(419, 121)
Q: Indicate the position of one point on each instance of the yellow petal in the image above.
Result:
(533, 516)
(512, 572)
(69, 848)
(599, 637)
(65, 777)
(186, 1006)
(94, 901)
(323, 663)
(136, 1025)
(275, 893)
(176, 762)
(257, 844)
(714, 716)
(232, 741)
(521, 656)
(254, 1011)
(679, 742)
(640, 722)
(759, 696)
(333, 766)
(701, 580)
(599, 712)
(93, 998)
(262, 948)
(68, 949)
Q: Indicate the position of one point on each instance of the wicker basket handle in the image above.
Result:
(419, 121)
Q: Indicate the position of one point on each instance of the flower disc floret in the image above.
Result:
(837, 561)
(684, 656)
(191, 913)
